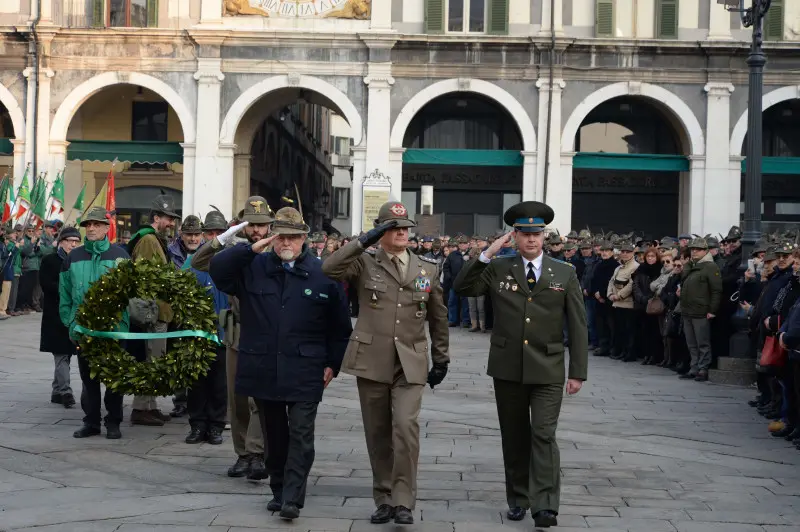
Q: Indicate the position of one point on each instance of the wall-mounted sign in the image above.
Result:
(375, 192)
(352, 9)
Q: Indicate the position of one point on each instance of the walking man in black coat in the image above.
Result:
(54, 335)
(295, 327)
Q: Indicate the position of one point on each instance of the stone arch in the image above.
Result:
(775, 97)
(477, 86)
(81, 93)
(679, 109)
(249, 97)
(14, 111)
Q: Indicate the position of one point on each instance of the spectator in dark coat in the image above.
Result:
(295, 327)
(457, 306)
(589, 260)
(603, 272)
(54, 335)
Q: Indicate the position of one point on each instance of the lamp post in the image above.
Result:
(752, 17)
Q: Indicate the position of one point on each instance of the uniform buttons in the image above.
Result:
(527, 320)
(399, 305)
(398, 321)
(401, 289)
(530, 299)
(395, 337)
(356, 337)
(525, 342)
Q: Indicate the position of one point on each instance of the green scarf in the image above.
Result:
(95, 248)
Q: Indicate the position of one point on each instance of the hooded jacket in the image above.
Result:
(621, 284)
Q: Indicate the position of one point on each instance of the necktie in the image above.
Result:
(531, 276)
(396, 263)
(287, 267)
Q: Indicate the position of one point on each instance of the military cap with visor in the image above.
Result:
(288, 221)
(191, 225)
(257, 211)
(95, 214)
(394, 211)
(529, 216)
(786, 248)
(164, 204)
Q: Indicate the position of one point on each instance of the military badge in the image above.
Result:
(514, 287)
(307, 291)
(422, 284)
(502, 284)
(508, 285)
(558, 287)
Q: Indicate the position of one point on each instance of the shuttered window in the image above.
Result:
(152, 13)
(667, 19)
(498, 17)
(773, 22)
(604, 18)
(434, 16)
(98, 17)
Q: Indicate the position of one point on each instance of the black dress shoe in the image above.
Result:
(68, 400)
(382, 514)
(197, 435)
(86, 431)
(785, 431)
(289, 511)
(56, 398)
(241, 468)
(275, 505)
(794, 435)
(646, 361)
(516, 513)
(214, 436)
(403, 516)
(178, 411)
(113, 432)
(258, 470)
(545, 519)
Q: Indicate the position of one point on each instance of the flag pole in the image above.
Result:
(113, 164)
(43, 175)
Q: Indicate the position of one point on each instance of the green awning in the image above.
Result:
(464, 157)
(6, 148)
(777, 165)
(125, 150)
(631, 161)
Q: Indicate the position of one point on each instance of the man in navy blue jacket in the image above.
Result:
(295, 327)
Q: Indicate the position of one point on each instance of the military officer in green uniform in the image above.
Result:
(531, 295)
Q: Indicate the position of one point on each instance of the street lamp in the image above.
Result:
(752, 17)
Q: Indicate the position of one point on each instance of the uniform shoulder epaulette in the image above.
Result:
(428, 259)
(564, 262)
(370, 251)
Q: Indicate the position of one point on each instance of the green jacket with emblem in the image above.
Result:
(82, 267)
(527, 344)
(701, 288)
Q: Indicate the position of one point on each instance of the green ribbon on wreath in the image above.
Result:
(116, 335)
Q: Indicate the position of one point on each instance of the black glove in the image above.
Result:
(436, 374)
(373, 235)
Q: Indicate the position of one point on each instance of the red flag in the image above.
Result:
(111, 207)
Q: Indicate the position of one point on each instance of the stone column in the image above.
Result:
(380, 81)
(719, 23)
(19, 159)
(697, 196)
(356, 190)
(42, 140)
(241, 180)
(189, 153)
(58, 158)
(381, 16)
(557, 18)
(529, 176)
(395, 170)
(557, 191)
(213, 182)
(722, 189)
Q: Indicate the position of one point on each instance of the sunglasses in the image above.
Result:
(667, 262)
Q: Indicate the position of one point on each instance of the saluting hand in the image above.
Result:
(371, 237)
(494, 249)
(263, 244)
(226, 237)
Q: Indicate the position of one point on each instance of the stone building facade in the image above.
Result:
(619, 113)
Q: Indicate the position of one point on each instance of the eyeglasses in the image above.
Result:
(667, 262)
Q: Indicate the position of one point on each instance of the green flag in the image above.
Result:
(23, 202)
(57, 193)
(78, 205)
(39, 198)
(4, 199)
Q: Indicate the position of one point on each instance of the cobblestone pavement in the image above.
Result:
(640, 450)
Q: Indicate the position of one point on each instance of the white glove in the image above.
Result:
(228, 235)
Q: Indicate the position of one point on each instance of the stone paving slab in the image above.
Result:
(640, 450)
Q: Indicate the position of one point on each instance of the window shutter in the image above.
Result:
(498, 17)
(434, 16)
(667, 19)
(98, 18)
(773, 22)
(152, 13)
(604, 18)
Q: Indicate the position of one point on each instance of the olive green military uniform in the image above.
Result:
(246, 430)
(388, 352)
(527, 360)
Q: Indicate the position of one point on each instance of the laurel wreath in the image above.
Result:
(104, 306)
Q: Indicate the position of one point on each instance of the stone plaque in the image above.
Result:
(352, 9)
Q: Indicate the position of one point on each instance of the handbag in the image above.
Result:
(773, 355)
(655, 307)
